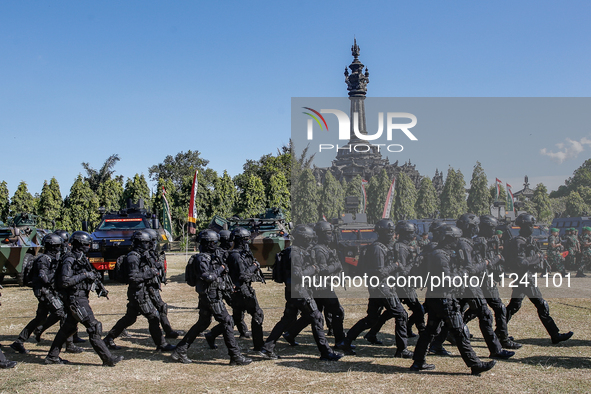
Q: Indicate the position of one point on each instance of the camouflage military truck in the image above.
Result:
(20, 242)
(112, 237)
(269, 233)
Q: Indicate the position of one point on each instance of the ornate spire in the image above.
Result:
(356, 81)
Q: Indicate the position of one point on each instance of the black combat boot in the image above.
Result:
(331, 357)
(240, 360)
(111, 343)
(404, 353)
(268, 355)
(557, 339)
(483, 367)
(509, 344)
(346, 347)
(503, 355)
(73, 349)
(166, 347)
(174, 334)
(290, 339)
(180, 354)
(7, 364)
(55, 360)
(246, 335)
(210, 341)
(373, 339)
(422, 367)
(19, 347)
(112, 361)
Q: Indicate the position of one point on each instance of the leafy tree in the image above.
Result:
(453, 200)
(136, 188)
(80, 205)
(575, 204)
(267, 166)
(541, 203)
(177, 168)
(427, 200)
(305, 200)
(585, 192)
(298, 164)
(405, 200)
(110, 194)
(4, 202)
(353, 188)
(331, 202)
(581, 177)
(279, 195)
(493, 193)
(558, 206)
(50, 204)
(22, 201)
(377, 191)
(96, 178)
(224, 196)
(252, 200)
(479, 196)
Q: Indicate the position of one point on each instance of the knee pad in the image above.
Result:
(258, 317)
(229, 320)
(95, 328)
(164, 308)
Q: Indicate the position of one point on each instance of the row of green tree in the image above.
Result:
(312, 200)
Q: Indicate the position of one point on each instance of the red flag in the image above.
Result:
(389, 197)
(192, 220)
(498, 188)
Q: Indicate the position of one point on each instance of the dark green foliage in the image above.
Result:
(581, 177)
(4, 202)
(479, 197)
(453, 196)
(22, 201)
(541, 203)
(252, 201)
(575, 205)
(305, 199)
(377, 190)
(177, 168)
(80, 205)
(50, 205)
(405, 200)
(331, 202)
(136, 188)
(110, 194)
(224, 196)
(279, 194)
(427, 201)
(353, 188)
(96, 178)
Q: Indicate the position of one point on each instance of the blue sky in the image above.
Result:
(83, 80)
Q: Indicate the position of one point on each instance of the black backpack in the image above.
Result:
(31, 270)
(282, 266)
(191, 275)
(122, 268)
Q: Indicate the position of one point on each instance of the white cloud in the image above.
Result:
(568, 150)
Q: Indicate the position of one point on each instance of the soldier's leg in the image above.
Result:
(66, 330)
(377, 327)
(162, 309)
(485, 322)
(290, 315)
(309, 307)
(221, 315)
(94, 328)
(202, 323)
(130, 317)
(515, 304)
(374, 309)
(333, 307)
(258, 316)
(238, 308)
(148, 310)
(458, 330)
(434, 321)
(418, 313)
(40, 316)
(535, 296)
(401, 319)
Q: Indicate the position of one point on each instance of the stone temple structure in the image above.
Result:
(349, 162)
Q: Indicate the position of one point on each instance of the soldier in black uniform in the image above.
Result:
(226, 247)
(472, 264)
(488, 247)
(328, 263)
(154, 286)
(379, 262)
(405, 256)
(300, 264)
(212, 281)
(141, 274)
(244, 269)
(524, 259)
(4, 362)
(52, 318)
(76, 278)
(50, 307)
(442, 306)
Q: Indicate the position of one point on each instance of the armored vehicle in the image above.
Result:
(112, 237)
(20, 242)
(269, 233)
(351, 234)
(577, 222)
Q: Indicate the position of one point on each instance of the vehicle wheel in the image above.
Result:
(27, 261)
(1, 278)
(111, 275)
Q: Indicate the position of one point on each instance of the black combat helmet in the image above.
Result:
(448, 234)
(207, 240)
(303, 235)
(225, 235)
(385, 229)
(323, 230)
(153, 237)
(468, 223)
(240, 236)
(405, 229)
(81, 241)
(63, 234)
(526, 222)
(434, 226)
(488, 224)
(141, 240)
(52, 242)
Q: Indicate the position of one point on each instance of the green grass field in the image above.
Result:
(539, 367)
